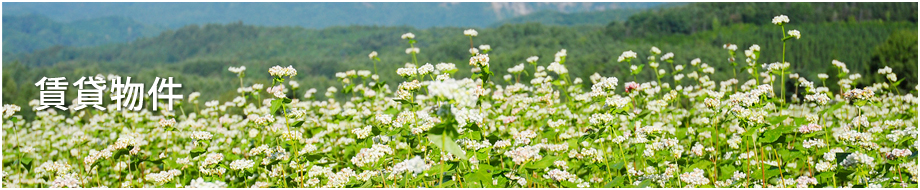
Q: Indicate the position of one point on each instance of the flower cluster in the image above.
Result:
(480, 60)
(279, 71)
(626, 56)
(780, 20)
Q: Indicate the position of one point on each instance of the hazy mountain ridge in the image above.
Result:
(309, 15)
(26, 33)
(35, 26)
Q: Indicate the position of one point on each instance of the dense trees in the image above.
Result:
(697, 17)
(899, 52)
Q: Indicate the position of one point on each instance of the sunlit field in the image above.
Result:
(438, 129)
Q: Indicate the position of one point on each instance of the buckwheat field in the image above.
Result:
(437, 129)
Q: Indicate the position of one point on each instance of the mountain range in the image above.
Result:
(33, 26)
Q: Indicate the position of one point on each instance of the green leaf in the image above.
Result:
(833, 108)
(543, 163)
(348, 89)
(476, 135)
(618, 181)
(276, 104)
(379, 84)
(297, 124)
(645, 183)
(447, 184)
(638, 70)
(568, 184)
(26, 162)
(489, 169)
(448, 144)
(197, 151)
(121, 152)
(472, 184)
(703, 165)
(898, 83)
(556, 83)
(481, 176)
(617, 166)
(777, 120)
(727, 171)
(401, 101)
(825, 176)
(155, 162)
(770, 136)
(773, 172)
(367, 184)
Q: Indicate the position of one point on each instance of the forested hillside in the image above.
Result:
(26, 33)
(35, 26)
(312, 15)
(698, 17)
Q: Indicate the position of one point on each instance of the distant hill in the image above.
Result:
(26, 33)
(569, 19)
(34, 26)
(310, 15)
(601, 17)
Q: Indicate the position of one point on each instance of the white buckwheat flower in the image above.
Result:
(279, 71)
(627, 55)
(408, 36)
(237, 70)
(795, 33)
(241, 164)
(780, 20)
(485, 47)
(667, 56)
(372, 55)
(532, 59)
(469, 32)
(412, 50)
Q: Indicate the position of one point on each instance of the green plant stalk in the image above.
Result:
(827, 138)
(414, 61)
(241, 79)
(782, 73)
(734, 71)
(18, 155)
(443, 134)
(780, 163)
(657, 77)
(624, 161)
(606, 162)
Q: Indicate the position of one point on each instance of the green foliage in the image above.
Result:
(698, 17)
(899, 52)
